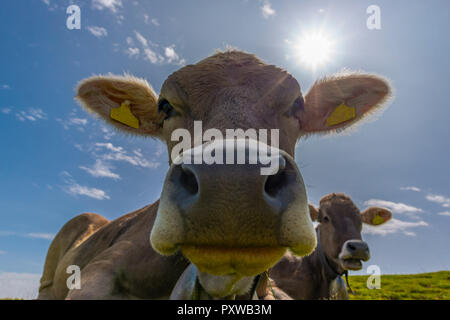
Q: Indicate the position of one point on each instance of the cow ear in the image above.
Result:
(376, 216)
(313, 212)
(126, 102)
(339, 101)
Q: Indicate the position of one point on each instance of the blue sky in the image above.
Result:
(57, 161)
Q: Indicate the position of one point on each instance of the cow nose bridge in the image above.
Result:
(357, 249)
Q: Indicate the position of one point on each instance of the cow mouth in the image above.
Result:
(351, 264)
(216, 260)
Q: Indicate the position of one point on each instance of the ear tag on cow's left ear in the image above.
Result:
(377, 220)
(123, 115)
(341, 114)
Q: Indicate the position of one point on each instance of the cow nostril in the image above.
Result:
(351, 247)
(275, 183)
(188, 180)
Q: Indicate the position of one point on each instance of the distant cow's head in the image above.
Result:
(340, 226)
(230, 219)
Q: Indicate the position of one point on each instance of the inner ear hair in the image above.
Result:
(366, 93)
(100, 94)
(313, 212)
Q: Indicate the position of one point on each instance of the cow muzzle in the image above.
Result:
(231, 218)
(352, 253)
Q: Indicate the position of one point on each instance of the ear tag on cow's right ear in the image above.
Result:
(341, 114)
(123, 115)
(377, 220)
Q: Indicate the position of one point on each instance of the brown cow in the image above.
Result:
(230, 221)
(339, 249)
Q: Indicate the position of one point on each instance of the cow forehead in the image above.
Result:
(339, 205)
(233, 75)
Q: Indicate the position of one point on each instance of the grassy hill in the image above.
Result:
(435, 286)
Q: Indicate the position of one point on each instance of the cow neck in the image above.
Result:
(330, 272)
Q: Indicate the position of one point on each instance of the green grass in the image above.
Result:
(423, 286)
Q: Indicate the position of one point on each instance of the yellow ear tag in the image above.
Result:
(341, 114)
(123, 115)
(377, 220)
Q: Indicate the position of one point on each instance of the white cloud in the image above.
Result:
(2, 252)
(45, 236)
(444, 213)
(6, 110)
(36, 235)
(101, 170)
(411, 188)
(19, 285)
(120, 154)
(172, 56)
(5, 87)
(267, 10)
(155, 22)
(132, 52)
(50, 6)
(159, 150)
(109, 146)
(32, 114)
(112, 5)
(76, 189)
(98, 31)
(396, 207)
(151, 56)
(73, 188)
(442, 200)
(108, 134)
(120, 19)
(141, 39)
(394, 226)
(78, 121)
(130, 41)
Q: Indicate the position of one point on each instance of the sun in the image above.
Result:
(313, 49)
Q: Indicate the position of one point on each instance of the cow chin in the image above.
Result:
(350, 264)
(222, 261)
(220, 257)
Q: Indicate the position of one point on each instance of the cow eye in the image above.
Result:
(299, 104)
(325, 219)
(166, 107)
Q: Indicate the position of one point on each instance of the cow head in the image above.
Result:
(340, 226)
(230, 220)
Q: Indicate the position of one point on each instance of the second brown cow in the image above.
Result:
(340, 248)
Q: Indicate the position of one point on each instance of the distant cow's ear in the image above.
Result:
(126, 102)
(337, 102)
(313, 212)
(376, 216)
